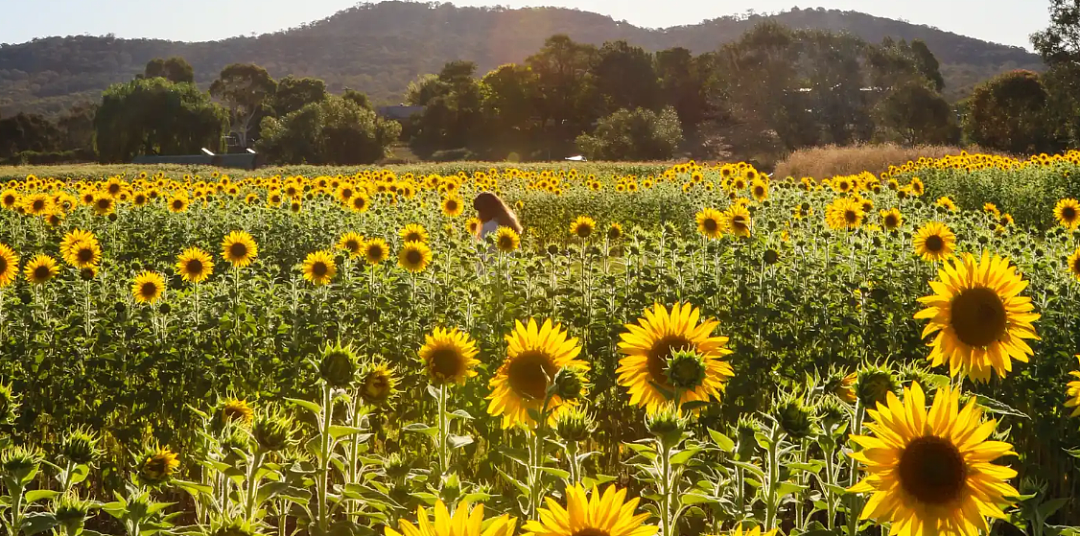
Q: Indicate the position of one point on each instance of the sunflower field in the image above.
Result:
(696, 349)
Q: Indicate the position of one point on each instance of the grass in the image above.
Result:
(832, 160)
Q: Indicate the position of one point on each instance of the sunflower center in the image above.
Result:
(374, 253)
(194, 266)
(934, 243)
(319, 269)
(978, 316)
(352, 245)
(378, 386)
(104, 203)
(850, 216)
(506, 242)
(446, 363)
(451, 205)
(591, 531)
(238, 250)
(85, 255)
(412, 237)
(3, 265)
(1068, 213)
(660, 353)
(529, 374)
(178, 204)
(890, 221)
(710, 225)
(1076, 266)
(932, 469)
(148, 289)
(739, 222)
(42, 273)
(413, 256)
(39, 204)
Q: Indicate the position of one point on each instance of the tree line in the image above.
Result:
(774, 90)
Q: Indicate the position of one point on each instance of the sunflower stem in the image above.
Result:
(252, 485)
(324, 457)
(854, 501)
(442, 433)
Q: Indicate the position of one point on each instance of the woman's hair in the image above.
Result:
(491, 207)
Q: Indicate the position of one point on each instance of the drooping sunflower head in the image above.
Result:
(194, 265)
(9, 265)
(932, 471)
(873, 384)
(892, 219)
(414, 257)
(582, 227)
(378, 384)
(236, 410)
(575, 425)
(338, 365)
(739, 221)
(1067, 213)
(239, 248)
(351, 242)
(649, 346)
(449, 356)
(272, 429)
(979, 316)
(375, 251)
(157, 465)
(414, 232)
(615, 231)
(465, 521)
(40, 269)
(935, 242)
(1073, 263)
(710, 223)
(793, 417)
(148, 287)
(591, 514)
(507, 240)
(992, 209)
(535, 354)
(319, 267)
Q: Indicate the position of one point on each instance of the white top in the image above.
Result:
(490, 226)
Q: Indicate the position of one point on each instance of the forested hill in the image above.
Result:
(380, 48)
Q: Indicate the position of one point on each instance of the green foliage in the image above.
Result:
(333, 131)
(634, 135)
(244, 88)
(175, 69)
(915, 114)
(1009, 114)
(155, 116)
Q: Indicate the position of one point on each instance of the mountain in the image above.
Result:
(380, 48)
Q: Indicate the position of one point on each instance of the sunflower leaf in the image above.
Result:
(999, 408)
(724, 442)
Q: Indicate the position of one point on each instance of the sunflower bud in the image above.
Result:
(666, 425)
(397, 467)
(272, 430)
(79, 446)
(574, 425)
(685, 370)
(9, 404)
(874, 385)
(451, 489)
(831, 412)
(234, 440)
(20, 463)
(793, 416)
(338, 366)
(746, 430)
(841, 385)
(233, 527)
(71, 512)
(568, 385)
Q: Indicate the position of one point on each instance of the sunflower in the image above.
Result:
(414, 232)
(756, 531)
(319, 267)
(378, 384)
(759, 189)
(473, 226)
(582, 227)
(74, 237)
(1067, 213)
(1073, 392)
(1074, 264)
(148, 287)
(615, 231)
(534, 355)
(449, 356)
(375, 251)
(891, 219)
(179, 203)
(9, 265)
(738, 221)
(194, 265)
(710, 223)
(236, 410)
(648, 346)
(414, 257)
(507, 240)
(935, 242)
(104, 205)
(84, 254)
(40, 269)
(38, 204)
(462, 522)
(991, 208)
(931, 472)
(157, 465)
(359, 202)
(351, 242)
(946, 203)
(452, 206)
(9, 199)
(591, 514)
(844, 213)
(239, 248)
(980, 319)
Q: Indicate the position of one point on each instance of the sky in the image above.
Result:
(1001, 21)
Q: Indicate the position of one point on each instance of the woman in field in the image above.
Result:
(493, 213)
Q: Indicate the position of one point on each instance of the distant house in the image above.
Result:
(236, 161)
(398, 112)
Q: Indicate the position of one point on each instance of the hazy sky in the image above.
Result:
(1000, 21)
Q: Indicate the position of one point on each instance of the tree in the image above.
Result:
(451, 118)
(77, 127)
(625, 77)
(334, 130)
(1060, 42)
(174, 69)
(638, 135)
(927, 64)
(567, 103)
(294, 93)
(509, 98)
(916, 114)
(833, 89)
(683, 81)
(358, 97)
(244, 88)
(1007, 113)
(156, 116)
(27, 132)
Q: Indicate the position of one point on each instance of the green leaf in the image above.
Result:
(694, 498)
(1048, 508)
(684, 456)
(422, 428)
(36, 522)
(556, 472)
(458, 441)
(787, 488)
(999, 408)
(724, 442)
(428, 498)
(338, 432)
(194, 488)
(39, 494)
(310, 406)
